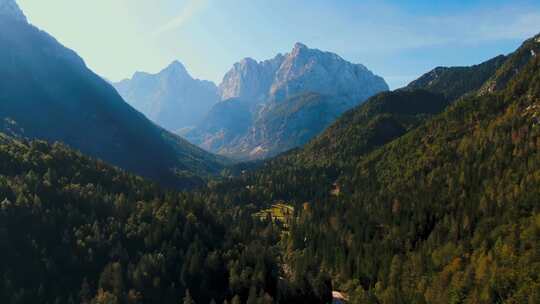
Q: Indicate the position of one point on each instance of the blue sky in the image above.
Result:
(396, 39)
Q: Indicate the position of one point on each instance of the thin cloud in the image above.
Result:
(191, 9)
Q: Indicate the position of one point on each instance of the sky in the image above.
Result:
(399, 40)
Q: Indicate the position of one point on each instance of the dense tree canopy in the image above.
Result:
(74, 230)
(443, 210)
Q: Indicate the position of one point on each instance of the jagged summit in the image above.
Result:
(299, 46)
(176, 71)
(248, 60)
(172, 98)
(176, 66)
(273, 105)
(301, 70)
(9, 9)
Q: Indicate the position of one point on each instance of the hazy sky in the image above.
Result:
(396, 39)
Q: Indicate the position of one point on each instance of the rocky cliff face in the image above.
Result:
(250, 80)
(170, 98)
(312, 70)
(302, 70)
(290, 99)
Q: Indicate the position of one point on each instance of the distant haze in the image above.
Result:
(398, 40)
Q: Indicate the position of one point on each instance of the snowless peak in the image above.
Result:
(298, 49)
(176, 66)
(10, 10)
(300, 46)
(248, 60)
(300, 71)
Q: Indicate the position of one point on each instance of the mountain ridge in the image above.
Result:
(455, 82)
(444, 212)
(171, 98)
(57, 98)
(280, 76)
(276, 87)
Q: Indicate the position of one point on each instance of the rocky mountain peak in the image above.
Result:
(176, 70)
(299, 71)
(312, 70)
(172, 98)
(248, 61)
(298, 47)
(176, 66)
(9, 9)
(280, 103)
(249, 79)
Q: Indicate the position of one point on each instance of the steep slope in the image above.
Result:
(223, 125)
(289, 124)
(250, 80)
(311, 70)
(455, 82)
(76, 230)
(300, 71)
(47, 92)
(291, 98)
(170, 98)
(378, 121)
(446, 213)
(230, 129)
(390, 115)
(530, 49)
(456, 198)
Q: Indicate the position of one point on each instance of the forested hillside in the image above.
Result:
(75, 230)
(381, 119)
(447, 213)
(455, 82)
(423, 195)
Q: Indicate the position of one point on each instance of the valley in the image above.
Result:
(316, 184)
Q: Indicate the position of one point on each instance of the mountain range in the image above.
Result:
(390, 115)
(420, 195)
(170, 98)
(47, 92)
(425, 194)
(284, 102)
(260, 109)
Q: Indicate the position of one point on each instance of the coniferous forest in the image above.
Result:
(426, 194)
(424, 205)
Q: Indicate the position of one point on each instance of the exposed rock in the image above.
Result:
(170, 98)
(285, 101)
(302, 70)
(250, 80)
(312, 70)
